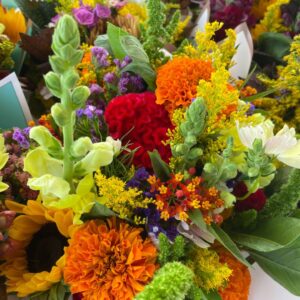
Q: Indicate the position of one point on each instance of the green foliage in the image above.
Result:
(282, 265)
(156, 34)
(170, 252)
(285, 201)
(270, 235)
(223, 168)
(171, 282)
(191, 129)
(227, 242)
(244, 221)
(40, 12)
(120, 44)
(160, 168)
(58, 291)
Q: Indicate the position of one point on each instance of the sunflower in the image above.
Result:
(40, 236)
(14, 23)
(109, 261)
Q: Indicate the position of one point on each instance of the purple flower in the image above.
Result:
(123, 83)
(109, 77)
(101, 54)
(85, 15)
(130, 83)
(96, 89)
(21, 138)
(117, 62)
(102, 12)
(126, 61)
(55, 19)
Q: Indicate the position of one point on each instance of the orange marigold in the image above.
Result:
(178, 79)
(239, 281)
(109, 261)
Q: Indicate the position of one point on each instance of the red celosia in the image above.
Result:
(255, 201)
(142, 122)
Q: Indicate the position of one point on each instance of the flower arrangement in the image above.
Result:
(151, 173)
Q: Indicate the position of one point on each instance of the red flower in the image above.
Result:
(144, 123)
(77, 296)
(255, 201)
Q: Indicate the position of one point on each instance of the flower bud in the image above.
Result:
(79, 96)
(81, 147)
(59, 115)
(116, 144)
(53, 83)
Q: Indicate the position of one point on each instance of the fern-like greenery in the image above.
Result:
(284, 202)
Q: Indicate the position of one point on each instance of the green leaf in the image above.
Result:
(134, 49)
(99, 210)
(274, 44)
(272, 234)
(260, 95)
(114, 34)
(197, 218)
(212, 295)
(282, 265)
(144, 70)
(227, 242)
(160, 168)
(103, 41)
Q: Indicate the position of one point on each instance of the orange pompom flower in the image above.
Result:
(178, 79)
(109, 260)
(239, 281)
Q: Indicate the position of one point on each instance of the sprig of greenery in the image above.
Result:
(191, 129)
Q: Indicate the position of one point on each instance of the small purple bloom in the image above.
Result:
(101, 54)
(55, 19)
(96, 89)
(109, 77)
(123, 83)
(21, 138)
(102, 12)
(126, 61)
(84, 15)
(117, 62)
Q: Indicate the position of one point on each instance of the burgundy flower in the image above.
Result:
(255, 201)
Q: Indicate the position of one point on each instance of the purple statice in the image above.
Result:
(85, 15)
(102, 12)
(139, 178)
(90, 111)
(96, 89)
(130, 83)
(21, 137)
(101, 55)
(122, 64)
(156, 225)
(109, 77)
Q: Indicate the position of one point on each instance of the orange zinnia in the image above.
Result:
(109, 261)
(178, 79)
(239, 281)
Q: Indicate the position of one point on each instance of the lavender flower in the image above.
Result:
(130, 83)
(102, 12)
(96, 89)
(89, 111)
(109, 77)
(101, 54)
(21, 137)
(85, 15)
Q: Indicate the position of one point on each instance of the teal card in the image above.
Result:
(14, 110)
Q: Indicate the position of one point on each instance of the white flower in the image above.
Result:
(117, 144)
(284, 145)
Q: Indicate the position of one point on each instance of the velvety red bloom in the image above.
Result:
(255, 201)
(144, 123)
(77, 296)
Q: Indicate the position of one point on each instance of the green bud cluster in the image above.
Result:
(191, 129)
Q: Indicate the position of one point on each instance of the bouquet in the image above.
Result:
(154, 176)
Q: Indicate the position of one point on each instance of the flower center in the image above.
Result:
(45, 248)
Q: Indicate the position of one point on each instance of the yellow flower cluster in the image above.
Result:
(180, 29)
(66, 6)
(209, 50)
(285, 109)
(272, 21)
(134, 9)
(210, 274)
(114, 195)
(260, 6)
